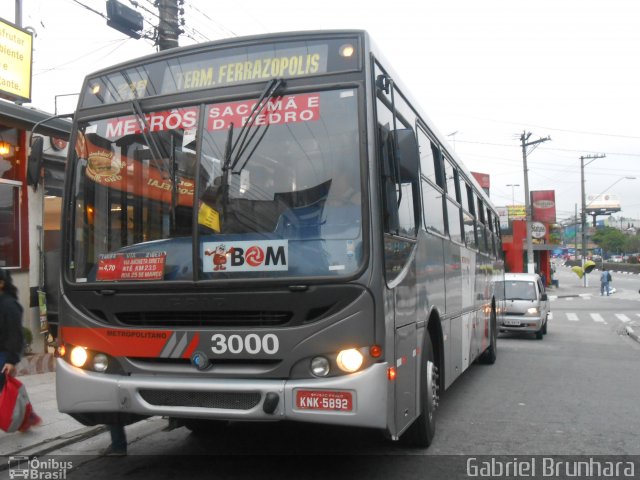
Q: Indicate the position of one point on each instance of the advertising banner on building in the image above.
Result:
(543, 206)
(517, 212)
(16, 46)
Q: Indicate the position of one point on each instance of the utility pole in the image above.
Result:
(575, 238)
(169, 25)
(18, 10)
(583, 217)
(527, 201)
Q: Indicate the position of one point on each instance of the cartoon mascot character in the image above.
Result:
(219, 256)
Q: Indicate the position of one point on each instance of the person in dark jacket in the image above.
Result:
(11, 338)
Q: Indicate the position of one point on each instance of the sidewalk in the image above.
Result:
(57, 429)
(59, 433)
(36, 363)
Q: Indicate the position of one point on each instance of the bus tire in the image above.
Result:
(421, 432)
(489, 356)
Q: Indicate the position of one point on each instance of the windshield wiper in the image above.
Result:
(156, 153)
(247, 132)
(245, 138)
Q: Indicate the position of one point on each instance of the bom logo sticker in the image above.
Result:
(258, 256)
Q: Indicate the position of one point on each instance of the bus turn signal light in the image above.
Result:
(391, 373)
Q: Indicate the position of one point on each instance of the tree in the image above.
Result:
(632, 244)
(610, 239)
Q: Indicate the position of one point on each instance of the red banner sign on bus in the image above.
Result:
(176, 119)
(279, 110)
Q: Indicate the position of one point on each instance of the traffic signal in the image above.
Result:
(124, 19)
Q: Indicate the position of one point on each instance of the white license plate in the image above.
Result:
(324, 400)
(512, 323)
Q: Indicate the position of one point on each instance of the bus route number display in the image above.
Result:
(131, 266)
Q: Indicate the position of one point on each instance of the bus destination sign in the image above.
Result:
(224, 67)
(206, 71)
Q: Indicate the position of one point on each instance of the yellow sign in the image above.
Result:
(517, 212)
(15, 62)
(208, 217)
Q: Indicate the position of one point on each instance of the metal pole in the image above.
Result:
(583, 221)
(575, 238)
(168, 25)
(527, 204)
(584, 209)
(18, 15)
(513, 193)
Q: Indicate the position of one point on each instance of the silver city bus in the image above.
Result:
(269, 228)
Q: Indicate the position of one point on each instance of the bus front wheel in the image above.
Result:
(420, 434)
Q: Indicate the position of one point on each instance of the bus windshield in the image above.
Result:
(288, 204)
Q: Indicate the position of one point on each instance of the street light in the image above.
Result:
(513, 195)
(583, 216)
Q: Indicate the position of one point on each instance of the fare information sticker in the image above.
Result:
(131, 266)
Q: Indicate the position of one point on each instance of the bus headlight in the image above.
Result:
(78, 357)
(320, 366)
(100, 362)
(349, 360)
(532, 311)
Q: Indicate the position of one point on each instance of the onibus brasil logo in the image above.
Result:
(21, 466)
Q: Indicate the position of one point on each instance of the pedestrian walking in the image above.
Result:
(605, 278)
(11, 337)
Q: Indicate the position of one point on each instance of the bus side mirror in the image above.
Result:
(407, 154)
(34, 163)
(544, 297)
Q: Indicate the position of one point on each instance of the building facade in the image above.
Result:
(30, 203)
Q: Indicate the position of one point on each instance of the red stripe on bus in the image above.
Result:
(192, 346)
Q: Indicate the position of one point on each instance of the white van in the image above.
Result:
(526, 305)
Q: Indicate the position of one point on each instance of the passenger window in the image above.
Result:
(427, 165)
(433, 207)
(464, 195)
(450, 174)
(453, 216)
(469, 230)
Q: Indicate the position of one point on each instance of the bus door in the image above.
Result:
(401, 213)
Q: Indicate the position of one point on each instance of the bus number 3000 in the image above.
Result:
(252, 344)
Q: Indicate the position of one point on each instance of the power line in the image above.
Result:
(91, 9)
(581, 132)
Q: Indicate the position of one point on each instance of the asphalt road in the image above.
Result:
(573, 393)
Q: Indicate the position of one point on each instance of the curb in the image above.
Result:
(36, 363)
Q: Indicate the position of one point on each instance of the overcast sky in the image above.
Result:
(483, 70)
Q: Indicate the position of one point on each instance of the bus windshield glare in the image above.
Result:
(288, 205)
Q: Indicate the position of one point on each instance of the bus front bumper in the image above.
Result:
(80, 391)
